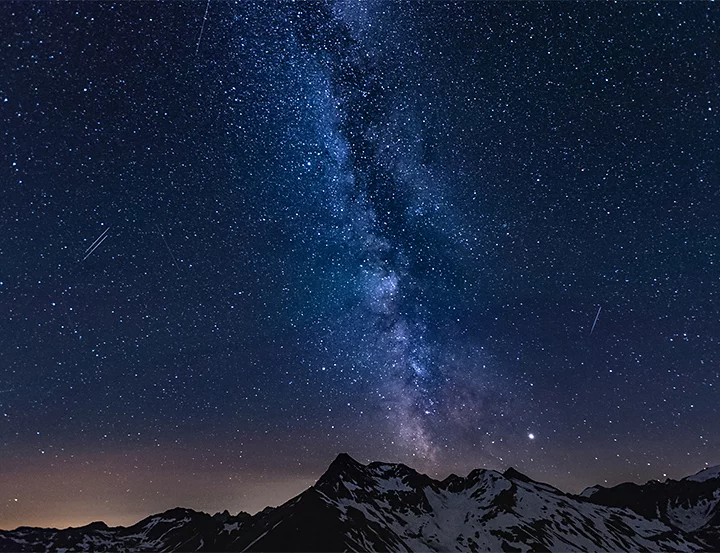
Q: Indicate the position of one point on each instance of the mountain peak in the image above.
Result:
(705, 474)
(344, 459)
(344, 464)
(222, 517)
(515, 474)
(97, 525)
(343, 467)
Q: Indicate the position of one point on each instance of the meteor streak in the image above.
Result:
(96, 244)
(168, 247)
(97, 239)
(202, 28)
(596, 319)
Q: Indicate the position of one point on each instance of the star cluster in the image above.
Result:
(453, 235)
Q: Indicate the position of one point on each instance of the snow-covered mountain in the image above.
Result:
(391, 507)
(691, 504)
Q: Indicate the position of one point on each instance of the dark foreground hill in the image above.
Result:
(389, 507)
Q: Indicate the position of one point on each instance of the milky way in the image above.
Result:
(385, 197)
(237, 239)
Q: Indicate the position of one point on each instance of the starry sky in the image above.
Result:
(238, 238)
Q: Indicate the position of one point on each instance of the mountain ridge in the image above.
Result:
(392, 507)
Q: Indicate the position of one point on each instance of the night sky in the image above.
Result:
(237, 239)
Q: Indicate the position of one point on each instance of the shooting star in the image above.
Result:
(596, 319)
(96, 244)
(168, 247)
(97, 239)
(202, 28)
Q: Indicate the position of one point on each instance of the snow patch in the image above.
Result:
(705, 474)
(589, 492)
(394, 484)
(230, 527)
(693, 517)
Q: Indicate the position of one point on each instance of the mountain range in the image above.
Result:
(391, 507)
